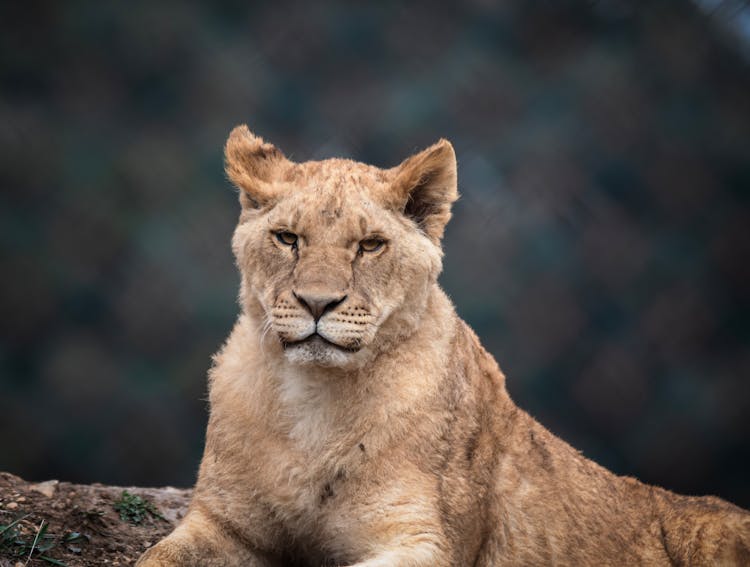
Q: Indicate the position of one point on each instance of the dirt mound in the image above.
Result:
(59, 523)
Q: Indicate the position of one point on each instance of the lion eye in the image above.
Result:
(371, 245)
(287, 238)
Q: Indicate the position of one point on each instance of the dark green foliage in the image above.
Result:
(135, 509)
(35, 544)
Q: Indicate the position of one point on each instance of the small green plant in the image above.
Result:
(15, 544)
(134, 509)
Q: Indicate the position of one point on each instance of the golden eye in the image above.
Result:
(371, 244)
(287, 238)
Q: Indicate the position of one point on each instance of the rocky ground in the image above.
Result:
(59, 523)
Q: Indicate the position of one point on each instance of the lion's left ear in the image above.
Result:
(425, 187)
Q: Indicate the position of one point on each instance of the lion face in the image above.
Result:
(337, 257)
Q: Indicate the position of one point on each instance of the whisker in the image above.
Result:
(266, 327)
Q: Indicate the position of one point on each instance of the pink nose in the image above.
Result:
(318, 304)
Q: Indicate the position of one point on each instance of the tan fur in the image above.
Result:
(392, 442)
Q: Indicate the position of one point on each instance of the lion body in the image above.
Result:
(389, 437)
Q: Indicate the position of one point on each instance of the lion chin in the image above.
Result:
(315, 350)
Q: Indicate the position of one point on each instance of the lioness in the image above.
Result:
(356, 420)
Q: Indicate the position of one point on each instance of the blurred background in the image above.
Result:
(601, 248)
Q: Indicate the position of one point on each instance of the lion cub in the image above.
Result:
(356, 420)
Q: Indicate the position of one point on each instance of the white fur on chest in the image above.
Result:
(309, 478)
(311, 408)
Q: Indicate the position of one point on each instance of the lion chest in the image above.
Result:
(309, 467)
(314, 497)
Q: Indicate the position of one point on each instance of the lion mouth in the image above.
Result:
(316, 338)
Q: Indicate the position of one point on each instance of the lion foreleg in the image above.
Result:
(199, 542)
(409, 553)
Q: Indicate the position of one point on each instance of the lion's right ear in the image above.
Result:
(252, 165)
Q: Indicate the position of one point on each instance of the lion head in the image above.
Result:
(337, 257)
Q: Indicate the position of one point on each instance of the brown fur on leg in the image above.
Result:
(200, 542)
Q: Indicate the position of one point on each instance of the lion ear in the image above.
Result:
(425, 187)
(252, 165)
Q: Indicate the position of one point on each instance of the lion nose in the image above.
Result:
(318, 304)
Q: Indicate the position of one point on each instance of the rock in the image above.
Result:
(47, 488)
(97, 536)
